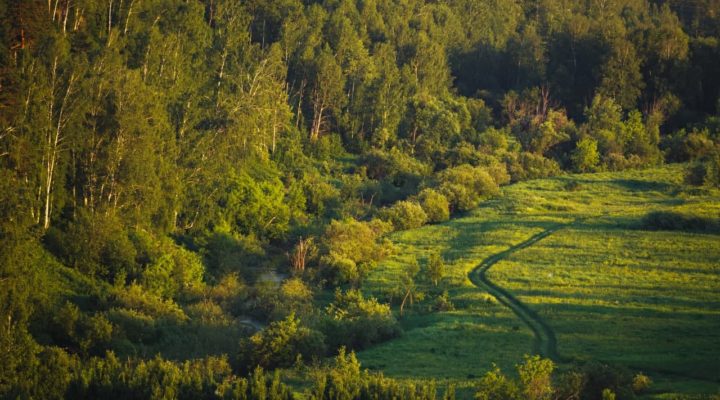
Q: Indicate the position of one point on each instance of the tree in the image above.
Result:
(536, 377)
(327, 91)
(434, 204)
(410, 291)
(435, 268)
(494, 385)
(303, 251)
(405, 215)
(621, 76)
(585, 157)
(281, 343)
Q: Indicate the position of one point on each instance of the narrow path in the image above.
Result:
(545, 342)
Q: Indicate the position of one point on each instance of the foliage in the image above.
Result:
(351, 248)
(355, 322)
(345, 380)
(596, 239)
(405, 215)
(435, 268)
(464, 186)
(585, 158)
(154, 154)
(434, 204)
(281, 344)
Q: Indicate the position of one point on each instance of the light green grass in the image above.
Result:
(610, 290)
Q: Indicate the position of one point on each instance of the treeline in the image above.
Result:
(157, 157)
(62, 376)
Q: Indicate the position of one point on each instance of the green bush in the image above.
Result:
(585, 157)
(673, 221)
(641, 383)
(345, 380)
(98, 244)
(280, 344)
(350, 248)
(464, 186)
(527, 165)
(705, 172)
(356, 323)
(405, 215)
(434, 204)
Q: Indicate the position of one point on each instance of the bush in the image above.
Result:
(434, 204)
(405, 215)
(135, 298)
(355, 322)
(87, 333)
(536, 378)
(599, 378)
(280, 344)
(350, 248)
(443, 303)
(705, 172)
(673, 221)
(585, 157)
(532, 166)
(641, 383)
(345, 380)
(337, 269)
(496, 386)
(98, 245)
(464, 186)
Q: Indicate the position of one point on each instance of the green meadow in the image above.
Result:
(584, 273)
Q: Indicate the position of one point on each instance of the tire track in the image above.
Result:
(545, 341)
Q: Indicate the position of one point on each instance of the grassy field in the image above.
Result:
(605, 285)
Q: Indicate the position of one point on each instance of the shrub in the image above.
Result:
(600, 377)
(608, 394)
(443, 303)
(135, 326)
(464, 186)
(98, 245)
(280, 344)
(536, 378)
(705, 172)
(345, 380)
(207, 312)
(641, 383)
(585, 157)
(405, 215)
(673, 221)
(434, 204)
(350, 248)
(135, 298)
(531, 166)
(356, 322)
(496, 386)
(435, 268)
(337, 269)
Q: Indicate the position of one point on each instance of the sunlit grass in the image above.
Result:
(611, 289)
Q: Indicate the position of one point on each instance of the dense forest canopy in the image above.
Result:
(161, 155)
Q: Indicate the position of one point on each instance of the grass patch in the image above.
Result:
(647, 298)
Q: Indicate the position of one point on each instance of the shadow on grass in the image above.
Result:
(633, 185)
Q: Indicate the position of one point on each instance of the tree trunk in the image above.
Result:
(405, 299)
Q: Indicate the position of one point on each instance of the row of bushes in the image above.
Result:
(350, 321)
(455, 189)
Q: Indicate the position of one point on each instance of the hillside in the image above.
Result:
(204, 199)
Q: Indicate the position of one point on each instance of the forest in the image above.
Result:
(193, 193)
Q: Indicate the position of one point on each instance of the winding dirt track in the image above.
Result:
(545, 342)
